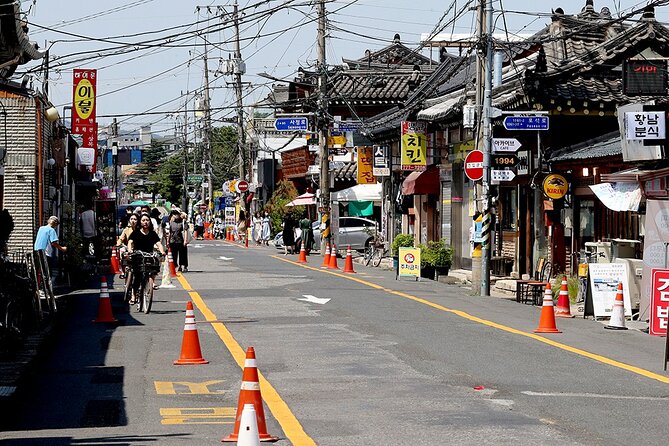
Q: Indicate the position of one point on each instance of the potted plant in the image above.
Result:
(400, 241)
(437, 258)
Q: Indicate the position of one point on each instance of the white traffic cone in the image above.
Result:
(167, 279)
(617, 321)
(248, 427)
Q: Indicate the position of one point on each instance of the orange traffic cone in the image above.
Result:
(250, 394)
(617, 321)
(547, 318)
(248, 429)
(562, 308)
(326, 257)
(303, 255)
(170, 260)
(104, 306)
(348, 265)
(116, 267)
(333, 258)
(190, 346)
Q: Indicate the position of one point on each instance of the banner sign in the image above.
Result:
(83, 99)
(414, 145)
(659, 307)
(365, 168)
(380, 162)
(604, 280)
(644, 125)
(409, 262)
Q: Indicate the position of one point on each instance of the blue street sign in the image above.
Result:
(349, 126)
(526, 123)
(291, 124)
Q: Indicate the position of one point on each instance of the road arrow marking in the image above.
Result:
(314, 299)
(225, 258)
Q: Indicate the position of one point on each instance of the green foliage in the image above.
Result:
(401, 241)
(276, 206)
(168, 179)
(436, 253)
(573, 284)
(224, 155)
(153, 155)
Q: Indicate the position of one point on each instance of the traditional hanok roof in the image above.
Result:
(15, 48)
(604, 146)
(396, 54)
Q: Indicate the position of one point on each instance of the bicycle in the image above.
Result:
(375, 251)
(139, 279)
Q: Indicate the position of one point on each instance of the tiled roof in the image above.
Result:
(15, 47)
(390, 87)
(393, 54)
(601, 147)
(348, 171)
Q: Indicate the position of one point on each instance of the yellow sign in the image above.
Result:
(555, 186)
(365, 166)
(233, 186)
(84, 99)
(336, 141)
(414, 145)
(409, 262)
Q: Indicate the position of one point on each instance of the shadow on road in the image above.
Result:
(121, 440)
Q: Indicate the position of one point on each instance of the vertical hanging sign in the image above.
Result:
(365, 167)
(83, 99)
(414, 145)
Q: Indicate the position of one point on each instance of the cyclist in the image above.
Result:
(122, 242)
(145, 239)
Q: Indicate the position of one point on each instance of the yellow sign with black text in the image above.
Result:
(365, 166)
(555, 186)
(409, 262)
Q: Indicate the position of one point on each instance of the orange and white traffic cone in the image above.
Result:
(248, 431)
(348, 265)
(116, 266)
(190, 345)
(326, 257)
(303, 255)
(333, 258)
(547, 318)
(617, 321)
(104, 304)
(170, 260)
(250, 394)
(562, 309)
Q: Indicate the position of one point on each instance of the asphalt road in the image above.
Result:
(381, 362)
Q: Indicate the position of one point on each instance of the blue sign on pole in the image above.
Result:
(291, 124)
(526, 123)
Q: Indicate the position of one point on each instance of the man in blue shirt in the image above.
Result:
(47, 240)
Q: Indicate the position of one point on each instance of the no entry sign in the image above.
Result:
(474, 165)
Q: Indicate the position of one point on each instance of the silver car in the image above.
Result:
(355, 231)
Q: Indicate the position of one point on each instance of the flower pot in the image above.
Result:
(427, 272)
(441, 271)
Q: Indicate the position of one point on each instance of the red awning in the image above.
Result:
(422, 183)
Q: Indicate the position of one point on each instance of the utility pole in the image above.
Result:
(487, 143)
(322, 123)
(184, 196)
(238, 71)
(207, 132)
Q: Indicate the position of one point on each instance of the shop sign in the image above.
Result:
(555, 186)
(409, 259)
(414, 145)
(659, 306)
(644, 125)
(365, 168)
(604, 280)
(380, 161)
(83, 99)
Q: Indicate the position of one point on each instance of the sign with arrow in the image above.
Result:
(505, 145)
(508, 160)
(502, 175)
(314, 299)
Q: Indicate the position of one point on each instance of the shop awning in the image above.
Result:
(303, 200)
(422, 183)
(360, 192)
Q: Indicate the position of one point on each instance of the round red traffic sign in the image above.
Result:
(242, 186)
(474, 165)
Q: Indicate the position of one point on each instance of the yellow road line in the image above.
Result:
(289, 423)
(578, 351)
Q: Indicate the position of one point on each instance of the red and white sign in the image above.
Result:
(242, 186)
(474, 165)
(659, 305)
(83, 99)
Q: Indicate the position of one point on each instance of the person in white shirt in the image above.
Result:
(88, 231)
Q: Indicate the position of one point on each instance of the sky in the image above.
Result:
(158, 45)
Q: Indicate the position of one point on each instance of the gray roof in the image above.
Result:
(601, 147)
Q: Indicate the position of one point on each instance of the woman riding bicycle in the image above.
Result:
(122, 242)
(145, 239)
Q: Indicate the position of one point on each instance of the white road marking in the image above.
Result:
(596, 395)
(314, 299)
(225, 258)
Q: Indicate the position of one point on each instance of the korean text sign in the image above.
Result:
(644, 125)
(659, 305)
(365, 166)
(409, 262)
(414, 145)
(83, 99)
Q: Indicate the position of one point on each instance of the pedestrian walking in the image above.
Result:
(265, 229)
(88, 231)
(307, 234)
(288, 234)
(241, 226)
(176, 241)
(183, 258)
(47, 241)
(257, 228)
(199, 226)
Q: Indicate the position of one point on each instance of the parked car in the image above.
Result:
(355, 231)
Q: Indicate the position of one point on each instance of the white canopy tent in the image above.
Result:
(360, 192)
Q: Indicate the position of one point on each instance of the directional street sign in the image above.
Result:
(505, 145)
(502, 175)
(349, 126)
(474, 165)
(526, 123)
(504, 160)
(291, 124)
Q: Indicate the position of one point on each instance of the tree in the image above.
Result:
(224, 155)
(168, 179)
(276, 206)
